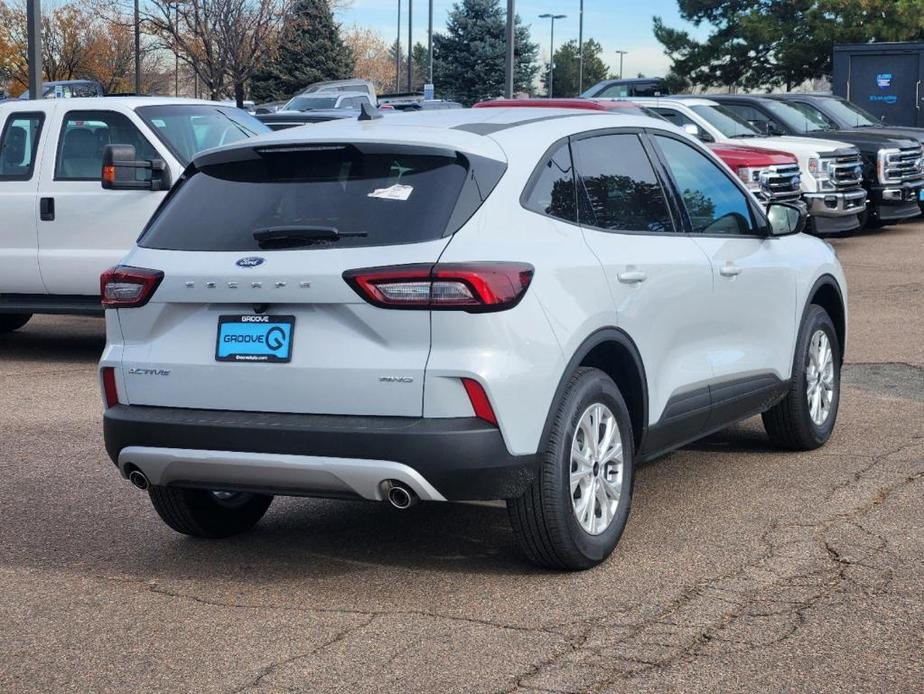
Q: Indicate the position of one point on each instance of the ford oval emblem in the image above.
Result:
(250, 262)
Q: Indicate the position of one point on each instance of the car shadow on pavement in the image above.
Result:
(314, 538)
(55, 339)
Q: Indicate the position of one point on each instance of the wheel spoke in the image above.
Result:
(596, 468)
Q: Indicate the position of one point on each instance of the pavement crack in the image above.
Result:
(273, 667)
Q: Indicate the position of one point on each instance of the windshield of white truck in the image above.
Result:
(725, 121)
(189, 129)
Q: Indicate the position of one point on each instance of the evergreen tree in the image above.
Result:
(311, 49)
(468, 60)
(567, 67)
(777, 42)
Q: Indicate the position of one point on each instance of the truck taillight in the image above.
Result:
(123, 286)
(473, 287)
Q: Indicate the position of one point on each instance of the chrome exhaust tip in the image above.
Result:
(400, 495)
(138, 478)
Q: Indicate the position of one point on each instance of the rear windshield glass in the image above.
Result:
(332, 196)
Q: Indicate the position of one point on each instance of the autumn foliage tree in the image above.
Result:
(78, 43)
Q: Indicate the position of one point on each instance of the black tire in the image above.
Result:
(869, 222)
(201, 513)
(13, 321)
(543, 518)
(789, 424)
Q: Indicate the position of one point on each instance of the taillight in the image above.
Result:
(123, 286)
(109, 386)
(479, 399)
(472, 287)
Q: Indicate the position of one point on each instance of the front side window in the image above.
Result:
(715, 204)
(18, 146)
(618, 185)
(553, 190)
(614, 90)
(84, 134)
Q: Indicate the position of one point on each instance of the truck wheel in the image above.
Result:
(805, 418)
(13, 321)
(205, 513)
(573, 514)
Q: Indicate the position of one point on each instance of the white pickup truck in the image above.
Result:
(60, 228)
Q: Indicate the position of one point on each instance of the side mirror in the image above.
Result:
(786, 218)
(120, 170)
(691, 129)
(760, 125)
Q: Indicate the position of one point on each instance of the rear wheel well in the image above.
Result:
(829, 299)
(618, 362)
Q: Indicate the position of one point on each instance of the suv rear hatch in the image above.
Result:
(253, 312)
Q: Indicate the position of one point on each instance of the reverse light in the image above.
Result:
(123, 286)
(479, 399)
(472, 287)
(110, 392)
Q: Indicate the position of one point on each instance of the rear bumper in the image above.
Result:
(305, 455)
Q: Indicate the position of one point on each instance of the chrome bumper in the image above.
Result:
(836, 204)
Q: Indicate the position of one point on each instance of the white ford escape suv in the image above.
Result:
(505, 304)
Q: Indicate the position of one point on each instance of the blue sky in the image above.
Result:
(616, 24)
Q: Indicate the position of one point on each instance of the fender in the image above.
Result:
(823, 281)
(599, 337)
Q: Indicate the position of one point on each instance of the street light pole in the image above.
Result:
(430, 44)
(511, 49)
(34, 50)
(398, 53)
(553, 17)
(581, 48)
(410, 43)
(621, 54)
(137, 49)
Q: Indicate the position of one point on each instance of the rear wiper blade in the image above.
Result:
(294, 236)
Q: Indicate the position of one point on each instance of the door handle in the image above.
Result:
(729, 270)
(47, 209)
(632, 276)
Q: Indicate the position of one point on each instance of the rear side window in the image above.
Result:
(619, 185)
(19, 144)
(553, 190)
(376, 198)
(84, 134)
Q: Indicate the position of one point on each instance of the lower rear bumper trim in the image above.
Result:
(274, 473)
(464, 459)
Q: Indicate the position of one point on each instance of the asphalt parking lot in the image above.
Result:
(742, 568)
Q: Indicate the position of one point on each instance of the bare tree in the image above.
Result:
(223, 41)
